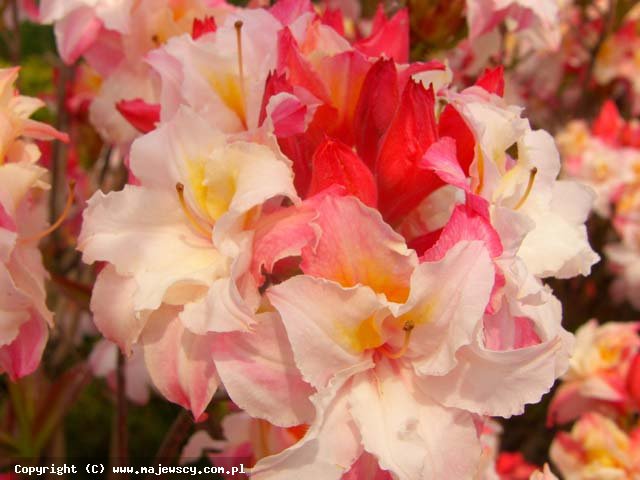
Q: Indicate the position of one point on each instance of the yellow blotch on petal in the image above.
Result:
(363, 337)
(213, 196)
(373, 275)
(421, 314)
(610, 355)
(229, 89)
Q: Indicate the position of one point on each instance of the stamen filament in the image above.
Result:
(58, 222)
(532, 177)
(193, 220)
(263, 429)
(408, 328)
(238, 26)
(480, 167)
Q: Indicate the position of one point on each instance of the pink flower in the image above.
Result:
(598, 372)
(24, 317)
(356, 333)
(538, 18)
(596, 448)
(312, 231)
(113, 37)
(192, 218)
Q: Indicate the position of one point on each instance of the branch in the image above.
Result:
(122, 448)
(173, 440)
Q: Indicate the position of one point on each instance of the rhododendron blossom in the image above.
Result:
(340, 239)
(24, 317)
(113, 38)
(607, 157)
(200, 213)
(539, 19)
(599, 372)
(596, 448)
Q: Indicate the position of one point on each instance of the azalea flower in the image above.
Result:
(606, 157)
(596, 448)
(539, 19)
(114, 37)
(603, 156)
(192, 265)
(24, 317)
(379, 341)
(599, 372)
(337, 238)
(616, 58)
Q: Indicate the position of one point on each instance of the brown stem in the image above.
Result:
(122, 447)
(77, 291)
(59, 150)
(175, 437)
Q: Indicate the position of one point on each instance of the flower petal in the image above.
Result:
(145, 234)
(357, 247)
(329, 327)
(409, 433)
(22, 356)
(260, 376)
(329, 448)
(113, 310)
(447, 301)
(180, 363)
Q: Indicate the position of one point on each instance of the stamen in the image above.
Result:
(238, 26)
(193, 220)
(532, 177)
(408, 328)
(480, 172)
(58, 222)
(263, 429)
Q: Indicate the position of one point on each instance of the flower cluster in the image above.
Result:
(595, 448)
(24, 317)
(607, 157)
(337, 237)
(504, 32)
(617, 59)
(112, 37)
(600, 390)
(602, 373)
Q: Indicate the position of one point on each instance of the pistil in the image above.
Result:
(238, 27)
(193, 220)
(408, 328)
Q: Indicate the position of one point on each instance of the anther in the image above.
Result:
(187, 212)
(58, 222)
(532, 177)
